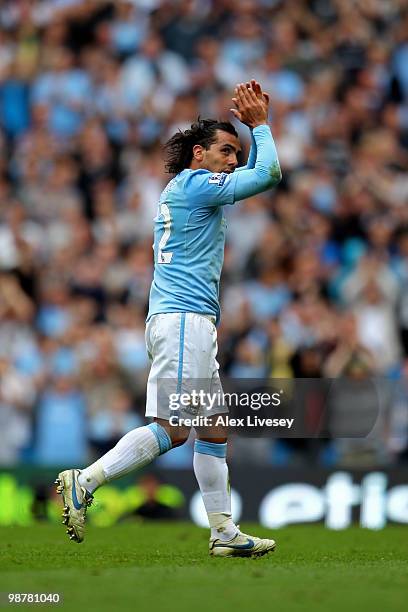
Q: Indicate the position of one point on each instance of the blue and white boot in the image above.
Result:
(241, 545)
(76, 501)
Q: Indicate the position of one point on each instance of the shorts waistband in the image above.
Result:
(211, 318)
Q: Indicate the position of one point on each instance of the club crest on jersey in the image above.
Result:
(218, 179)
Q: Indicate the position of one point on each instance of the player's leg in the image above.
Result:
(134, 450)
(210, 448)
(211, 470)
(138, 447)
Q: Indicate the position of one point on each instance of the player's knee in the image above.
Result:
(213, 433)
(179, 437)
(214, 440)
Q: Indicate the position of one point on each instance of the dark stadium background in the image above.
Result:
(315, 281)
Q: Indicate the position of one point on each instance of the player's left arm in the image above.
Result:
(261, 95)
(252, 110)
(251, 157)
(205, 189)
(266, 172)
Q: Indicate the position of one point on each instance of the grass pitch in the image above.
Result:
(166, 567)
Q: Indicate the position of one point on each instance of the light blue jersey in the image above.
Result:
(189, 234)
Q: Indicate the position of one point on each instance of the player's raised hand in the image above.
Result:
(262, 95)
(251, 105)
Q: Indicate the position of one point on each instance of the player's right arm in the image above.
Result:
(262, 95)
(206, 189)
(266, 173)
(252, 110)
(251, 157)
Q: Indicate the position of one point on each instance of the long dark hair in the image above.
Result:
(178, 151)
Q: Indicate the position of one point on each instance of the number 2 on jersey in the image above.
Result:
(164, 258)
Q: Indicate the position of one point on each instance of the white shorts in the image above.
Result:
(182, 348)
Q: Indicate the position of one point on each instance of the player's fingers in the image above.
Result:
(244, 94)
(241, 95)
(236, 103)
(236, 114)
(252, 97)
(257, 88)
(253, 85)
(266, 97)
(245, 90)
(248, 98)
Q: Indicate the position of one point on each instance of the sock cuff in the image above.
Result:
(220, 520)
(210, 448)
(162, 437)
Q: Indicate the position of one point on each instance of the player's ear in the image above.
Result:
(198, 153)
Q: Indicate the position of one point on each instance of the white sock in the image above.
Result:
(136, 449)
(211, 470)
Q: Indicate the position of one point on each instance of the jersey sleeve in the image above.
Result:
(203, 188)
(251, 157)
(266, 172)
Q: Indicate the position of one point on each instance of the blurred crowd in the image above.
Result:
(315, 280)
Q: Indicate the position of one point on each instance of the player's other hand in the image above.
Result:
(251, 104)
(262, 95)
